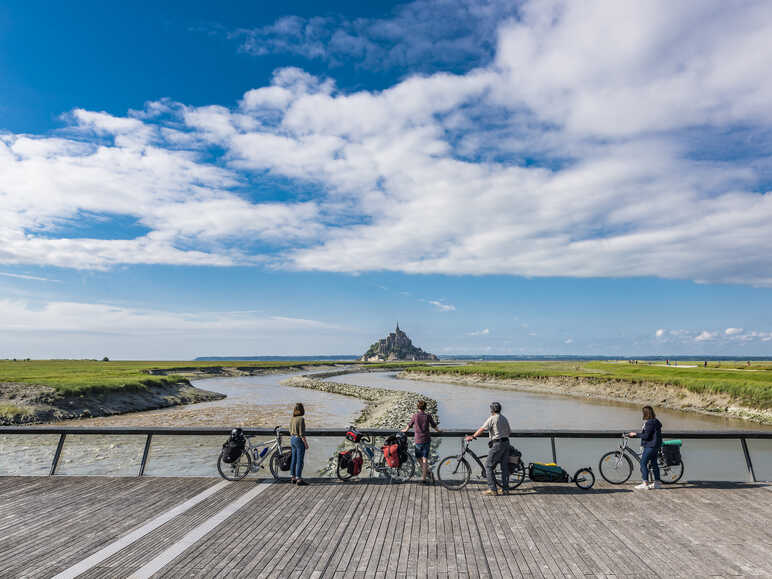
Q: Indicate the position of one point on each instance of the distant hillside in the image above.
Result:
(274, 358)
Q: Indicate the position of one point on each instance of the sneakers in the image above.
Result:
(301, 483)
(644, 486)
(490, 493)
(655, 485)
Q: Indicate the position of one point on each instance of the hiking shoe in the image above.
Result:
(644, 486)
(490, 493)
(656, 485)
(301, 483)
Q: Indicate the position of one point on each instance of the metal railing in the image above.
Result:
(149, 432)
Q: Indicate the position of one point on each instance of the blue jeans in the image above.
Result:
(298, 453)
(649, 456)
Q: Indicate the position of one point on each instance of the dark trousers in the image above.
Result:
(649, 456)
(498, 454)
(298, 453)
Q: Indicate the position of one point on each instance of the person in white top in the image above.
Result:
(497, 427)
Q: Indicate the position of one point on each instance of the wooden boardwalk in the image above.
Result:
(175, 527)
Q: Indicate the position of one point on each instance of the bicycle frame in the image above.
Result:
(269, 445)
(478, 459)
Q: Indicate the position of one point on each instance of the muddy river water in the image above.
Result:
(261, 401)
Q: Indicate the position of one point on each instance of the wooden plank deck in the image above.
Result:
(331, 529)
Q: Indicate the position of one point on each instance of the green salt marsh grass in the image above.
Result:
(81, 376)
(750, 386)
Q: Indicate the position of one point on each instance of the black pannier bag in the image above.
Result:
(234, 446)
(344, 458)
(402, 444)
(672, 454)
(350, 461)
(514, 456)
(285, 460)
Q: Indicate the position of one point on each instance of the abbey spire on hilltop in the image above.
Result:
(395, 346)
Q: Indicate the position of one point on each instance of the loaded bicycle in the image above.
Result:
(239, 456)
(617, 466)
(353, 462)
(454, 472)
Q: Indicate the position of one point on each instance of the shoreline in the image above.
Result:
(384, 408)
(667, 396)
(40, 404)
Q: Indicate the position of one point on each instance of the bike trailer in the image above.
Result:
(353, 434)
(671, 451)
(546, 472)
(234, 446)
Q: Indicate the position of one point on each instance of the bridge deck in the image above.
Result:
(172, 527)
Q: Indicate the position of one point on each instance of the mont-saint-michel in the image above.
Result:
(396, 346)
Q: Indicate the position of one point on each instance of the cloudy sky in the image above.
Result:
(540, 177)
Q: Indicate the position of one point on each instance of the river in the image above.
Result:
(261, 401)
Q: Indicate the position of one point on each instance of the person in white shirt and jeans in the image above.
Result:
(497, 427)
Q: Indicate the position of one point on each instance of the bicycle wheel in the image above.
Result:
(516, 475)
(615, 467)
(403, 472)
(235, 470)
(669, 474)
(584, 478)
(275, 465)
(453, 472)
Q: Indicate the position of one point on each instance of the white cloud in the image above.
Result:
(659, 333)
(429, 176)
(568, 341)
(705, 336)
(483, 332)
(733, 331)
(30, 277)
(440, 305)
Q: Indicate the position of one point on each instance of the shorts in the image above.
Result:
(422, 450)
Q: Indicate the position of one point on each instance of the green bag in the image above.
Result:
(541, 472)
(672, 443)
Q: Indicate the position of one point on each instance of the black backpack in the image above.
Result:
(234, 446)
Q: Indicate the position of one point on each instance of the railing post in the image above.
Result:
(554, 452)
(57, 454)
(145, 454)
(748, 461)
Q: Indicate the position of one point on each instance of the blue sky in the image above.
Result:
(193, 179)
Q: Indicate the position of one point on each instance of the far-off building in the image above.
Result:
(395, 346)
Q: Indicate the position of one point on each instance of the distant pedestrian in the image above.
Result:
(421, 422)
(298, 443)
(651, 441)
(705, 364)
(497, 427)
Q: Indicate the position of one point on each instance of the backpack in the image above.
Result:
(550, 472)
(353, 434)
(234, 446)
(391, 453)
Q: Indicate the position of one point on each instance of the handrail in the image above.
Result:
(456, 432)
(150, 431)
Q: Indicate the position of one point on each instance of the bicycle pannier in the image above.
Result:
(391, 453)
(234, 446)
(671, 454)
(402, 444)
(514, 456)
(285, 460)
(541, 472)
(344, 458)
(353, 434)
(355, 465)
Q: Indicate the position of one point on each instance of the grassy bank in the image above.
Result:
(84, 376)
(749, 386)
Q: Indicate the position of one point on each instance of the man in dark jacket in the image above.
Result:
(651, 441)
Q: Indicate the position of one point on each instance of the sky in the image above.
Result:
(246, 178)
